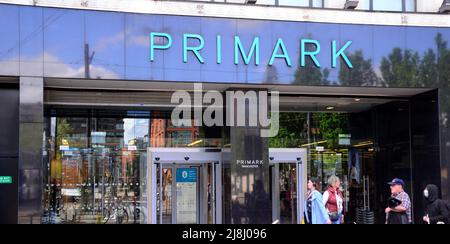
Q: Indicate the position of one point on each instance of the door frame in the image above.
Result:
(185, 157)
(298, 156)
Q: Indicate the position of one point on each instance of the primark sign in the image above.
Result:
(309, 48)
(243, 108)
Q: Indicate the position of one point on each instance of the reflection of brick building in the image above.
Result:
(127, 159)
(157, 132)
(164, 134)
(130, 159)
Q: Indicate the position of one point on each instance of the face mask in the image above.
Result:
(426, 194)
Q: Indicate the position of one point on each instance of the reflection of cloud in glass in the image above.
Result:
(135, 128)
(107, 41)
(65, 70)
(55, 67)
(128, 126)
(251, 25)
(143, 40)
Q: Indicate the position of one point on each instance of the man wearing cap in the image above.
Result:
(400, 206)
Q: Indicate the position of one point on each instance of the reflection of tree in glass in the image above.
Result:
(310, 75)
(331, 125)
(401, 68)
(293, 131)
(407, 69)
(435, 72)
(64, 130)
(362, 73)
(271, 76)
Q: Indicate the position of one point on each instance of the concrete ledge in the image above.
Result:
(248, 12)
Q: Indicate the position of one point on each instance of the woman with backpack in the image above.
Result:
(436, 211)
(333, 200)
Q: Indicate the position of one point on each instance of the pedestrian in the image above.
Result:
(399, 207)
(333, 200)
(315, 212)
(436, 209)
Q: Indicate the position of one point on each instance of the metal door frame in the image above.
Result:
(185, 157)
(298, 156)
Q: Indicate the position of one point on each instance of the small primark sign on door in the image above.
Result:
(6, 180)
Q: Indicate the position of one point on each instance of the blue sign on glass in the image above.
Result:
(187, 175)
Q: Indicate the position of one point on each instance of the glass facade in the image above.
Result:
(95, 158)
(96, 163)
(371, 5)
(57, 52)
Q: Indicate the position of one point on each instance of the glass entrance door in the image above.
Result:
(185, 186)
(284, 177)
(187, 195)
(288, 182)
(179, 194)
(166, 195)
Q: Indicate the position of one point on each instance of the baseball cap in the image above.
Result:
(396, 181)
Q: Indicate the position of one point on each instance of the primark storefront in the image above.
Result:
(87, 98)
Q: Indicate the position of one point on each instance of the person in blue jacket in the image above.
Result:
(315, 212)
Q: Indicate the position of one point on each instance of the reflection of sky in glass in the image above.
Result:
(364, 4)
(295, 31)
(317, 3)
(135, 129)
(300, 3)
(387, 5)
(226, 28)
(119, 45)
(31, 34)
(326, 33)
(361, 38)
(420, 39)
(410, 5)
(247, 30)
(105, 36)
(138, 28)
(9, 38)
(386, 38)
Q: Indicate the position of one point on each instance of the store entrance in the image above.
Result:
(186, 186)
(288, 184)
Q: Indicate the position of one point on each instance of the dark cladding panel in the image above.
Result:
(9, 146)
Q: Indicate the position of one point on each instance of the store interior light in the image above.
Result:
(357, 99)
(364, 144)
(195, 143)
(314, 143)
(330, 108)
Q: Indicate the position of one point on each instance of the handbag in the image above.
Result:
(334, 216)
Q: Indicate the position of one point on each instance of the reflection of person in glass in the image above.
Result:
(258, 205)
(315, 212)
(333, 200)
(236, 210)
